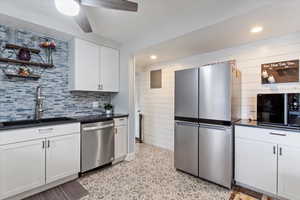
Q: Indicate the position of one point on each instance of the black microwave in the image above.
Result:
(279, 109)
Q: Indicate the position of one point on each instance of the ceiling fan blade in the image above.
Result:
(112, 4)
(83, 21)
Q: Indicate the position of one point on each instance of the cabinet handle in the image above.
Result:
(277, 134)
(48, 144)
(116, 131)
(280, 151)
(274, 150)
(43, 146)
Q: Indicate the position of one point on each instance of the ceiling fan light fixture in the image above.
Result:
(67, 7)
(256, 29)
(153, 57)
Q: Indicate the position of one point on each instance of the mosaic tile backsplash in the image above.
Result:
(17, 95)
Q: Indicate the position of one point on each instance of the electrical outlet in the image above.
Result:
(95, 104)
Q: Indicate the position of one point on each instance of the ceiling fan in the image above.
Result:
(73, 8)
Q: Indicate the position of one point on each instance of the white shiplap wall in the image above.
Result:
(157, 105)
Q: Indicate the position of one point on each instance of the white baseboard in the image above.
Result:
(130, 156)
(256, 190)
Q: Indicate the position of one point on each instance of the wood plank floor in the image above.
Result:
(69, 191)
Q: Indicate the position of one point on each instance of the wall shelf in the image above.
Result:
(31, 76)
(21, 62)
(13, 46)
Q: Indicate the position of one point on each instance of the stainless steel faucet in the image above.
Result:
(39, 104)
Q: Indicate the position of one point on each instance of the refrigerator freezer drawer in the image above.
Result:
(215, 154)
(186, 147)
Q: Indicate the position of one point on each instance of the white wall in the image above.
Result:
(157, 105)
(124, 100)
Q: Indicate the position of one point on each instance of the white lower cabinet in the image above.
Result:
(256, 164)
(62, 157)
(22, 167)
(121, 142)
(121, 138)
(289, 172)
(27, 165)
(268, 160)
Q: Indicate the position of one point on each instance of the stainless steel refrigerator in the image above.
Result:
(207, 102)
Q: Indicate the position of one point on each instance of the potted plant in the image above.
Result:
(108, 108)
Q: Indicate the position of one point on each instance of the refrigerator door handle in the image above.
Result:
(187, 124)
(216, 127)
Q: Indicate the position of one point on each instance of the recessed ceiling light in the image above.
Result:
(256, 29)
(67, 7)
(153, 57)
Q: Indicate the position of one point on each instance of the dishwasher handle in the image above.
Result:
(97, 127)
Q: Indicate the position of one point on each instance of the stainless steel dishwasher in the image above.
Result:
(97, 144)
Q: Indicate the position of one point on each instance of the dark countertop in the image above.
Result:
(266, 126)
(99, 118)
(11, 125)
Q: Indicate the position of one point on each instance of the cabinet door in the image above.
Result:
(22, 167)
(289, 172)
(87, 66)
(62, 157)
(256, 164)
(120, 141)
(109, 69)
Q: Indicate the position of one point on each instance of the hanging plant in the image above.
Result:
(49, 48)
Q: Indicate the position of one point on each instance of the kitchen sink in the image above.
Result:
(58, 119)
(33, 122)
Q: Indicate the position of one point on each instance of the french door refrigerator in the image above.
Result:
(207, 101)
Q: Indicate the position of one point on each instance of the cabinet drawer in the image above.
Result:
(26, 134)
(283, 137)
(121, 121)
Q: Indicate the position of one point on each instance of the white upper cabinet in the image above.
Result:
(86, 66)
(94, 68)
(110, 69)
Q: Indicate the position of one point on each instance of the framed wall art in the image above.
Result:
(280, 72)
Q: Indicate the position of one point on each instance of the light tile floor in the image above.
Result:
(151, 176)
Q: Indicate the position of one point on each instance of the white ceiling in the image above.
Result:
(278, 19)
(155, 17)
(172, 28)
